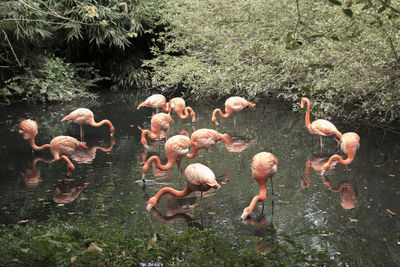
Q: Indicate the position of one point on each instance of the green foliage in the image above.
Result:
(344, 55)
(58, 242)
(53, 80)
(98, 32)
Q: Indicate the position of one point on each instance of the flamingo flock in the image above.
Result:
(198, 177)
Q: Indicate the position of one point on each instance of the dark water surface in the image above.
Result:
(346, 213)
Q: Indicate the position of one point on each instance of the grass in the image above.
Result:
(81, 242)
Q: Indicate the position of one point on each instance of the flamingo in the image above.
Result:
(156, 101)
(205, 138)
(177, 104)
(349, 144)
(160, 123)
(198, 178)
(63, 146)
(319, 127)
(176, 148)
(84, 116)
(233, 105)
(263, 167)
(29, 129)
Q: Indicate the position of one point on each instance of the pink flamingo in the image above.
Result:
(155, 102)
(176, 148)
(233, 105)
(29, 129)
(205, 138)
(178, 105)
(84, 116)
(319, 127)
(263, 167)
(160, 123)
(349, 144)
(62, 147)
(198, 178)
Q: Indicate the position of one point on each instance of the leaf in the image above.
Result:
(93, 249)
(289, 37)
(23, 221)
(151, 242)
(335, 2)
(335, 37)
(388, 211)
(212, 213)
(348, 12)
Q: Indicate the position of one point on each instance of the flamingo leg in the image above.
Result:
(320, 141)
(234, 121)
(82, 133)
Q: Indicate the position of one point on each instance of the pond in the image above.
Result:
(351, 211)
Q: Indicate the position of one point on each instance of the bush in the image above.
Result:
(343, 56)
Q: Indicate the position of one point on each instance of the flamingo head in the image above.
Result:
(245, 214)
(28, 129)
(303, 101)
(151, 203)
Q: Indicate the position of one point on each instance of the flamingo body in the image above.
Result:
(205, 138)
(198, 178)
(264, 165)
(178, 105)
(84, 116)
(62, 147)
(155, 101)
(233, 105)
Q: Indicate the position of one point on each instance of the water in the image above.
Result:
(347, 213)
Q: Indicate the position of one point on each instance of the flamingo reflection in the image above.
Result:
(67, 193)
(266, 232)
(31, 173)
(86, 156)
(178, 209)
(315, 161)
(237, 143)
(348, 193)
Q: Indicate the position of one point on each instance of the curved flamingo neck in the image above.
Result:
(35, 147)
(166, 108)
(222, 115)
(194, 152)
(260, 197)
(177, 193)
(98, 124)
(347, 161)
(224, 138)
(183, 114)
(166, 167)
(152, 135)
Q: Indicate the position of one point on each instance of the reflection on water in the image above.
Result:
(351, 203)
